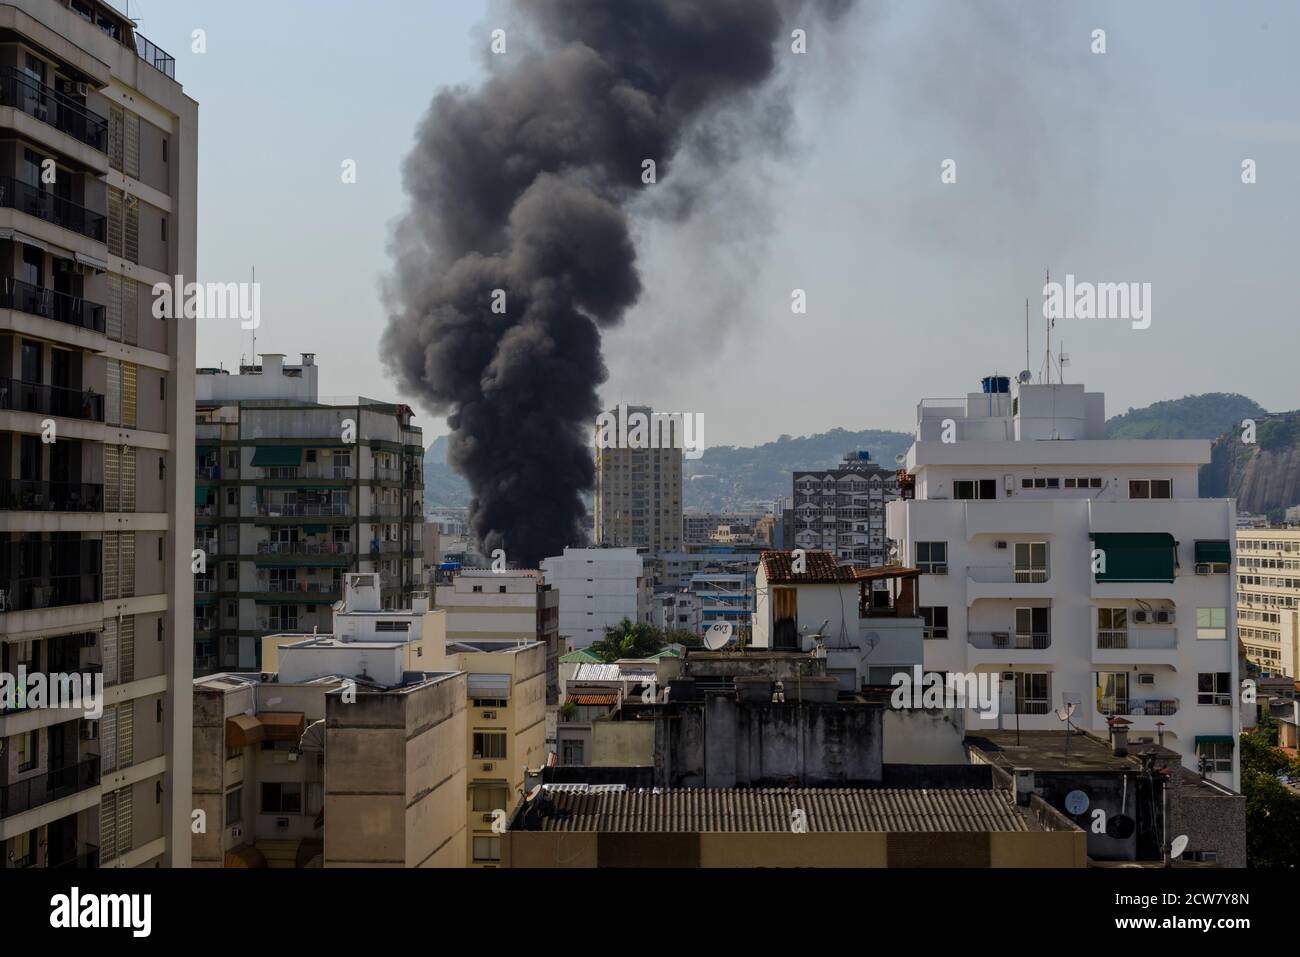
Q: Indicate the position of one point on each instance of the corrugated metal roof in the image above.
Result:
(694, 810)
(486, 685)
(596, 673)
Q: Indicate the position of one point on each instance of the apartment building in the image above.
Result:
(506, 731)
(1083, 571)
(598, 588)
(98, 173)
(842, 510)
(1268, 598)
(290, 494)
(639, 490)
(344, 758)
(724, 598)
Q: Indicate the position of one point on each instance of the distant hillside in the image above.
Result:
(1264, 477)
(1204, 416)
(442, 486)
(727, 476)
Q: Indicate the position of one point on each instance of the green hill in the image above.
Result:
(1205, 416)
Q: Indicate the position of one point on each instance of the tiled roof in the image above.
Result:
(696, 810)
(610, 698)
(820, 568)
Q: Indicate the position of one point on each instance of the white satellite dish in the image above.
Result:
(1076, 802)
(1178, 845)
(900, 458)
(717, 635)
(1025, 376)
(535, 790)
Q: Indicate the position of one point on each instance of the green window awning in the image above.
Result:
(1215, 739)
(201, 494)
(1215, 552)
(315, 529)
(202, 450)
(1136, 556)
(270, 456)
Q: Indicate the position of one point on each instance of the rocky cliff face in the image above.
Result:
(1262, 477)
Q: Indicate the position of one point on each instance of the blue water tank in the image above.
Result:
(994, 384)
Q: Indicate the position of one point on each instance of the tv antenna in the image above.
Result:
(1066, 712)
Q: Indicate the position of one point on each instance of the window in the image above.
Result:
(1032, 627)
(1214, 687)
(28, 751)
(282, 798)
(234, 806)
(1030, 561)
(975, 489)
(163, 222)
(487, 848)
(1150, 488)
(232, 496)
(232, 571)
(392, 626)
(1211, 623)
(936, 621)
(491, 798)
(932, 557)
(571, 753)
(490, 702)
(1215, 756)
(22, 855)
(1033, 695)
(478, 588)
(1112, 627)
(489, 744)
(234, 753)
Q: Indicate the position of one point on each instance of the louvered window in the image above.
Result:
(108, 739)
(112, 472)
(113, 392)
(128, 394)
(131, 146)
(131, 228)
(126, 649)
(111, 582)
(116, 137)
(126, 488)
(116, 221)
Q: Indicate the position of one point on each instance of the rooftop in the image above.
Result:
(677, 810)
(820, 568)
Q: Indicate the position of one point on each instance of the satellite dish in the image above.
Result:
(717, 635)
(535, 790)
(1065, 712)
(1076, 802)
(338, 605)
(1024, 376)
(1178, 846)
(1120, 827)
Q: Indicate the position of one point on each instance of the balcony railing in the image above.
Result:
(207, 471)
(18, 396)
(316, 471)
(1143, 639)
(308, 509)
(303, 548)
(59, 306)
(204, 625)
(994, 640)
(157, 58)
(275, 623)
(15, 194)
(205, 511)
(1000, 574)
(205, 586)
(1110, 706)
(300, 587)
(86, 860)
(24, 594)
(24, 495)
(43, 788)
(1032, 706)
(48, 105)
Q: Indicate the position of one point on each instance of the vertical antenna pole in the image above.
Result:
(1049, 338)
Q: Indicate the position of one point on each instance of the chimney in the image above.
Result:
(1119, 735)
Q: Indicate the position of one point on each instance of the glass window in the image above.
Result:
(487, 848)
(282, 798)
(1215, 756)
(932, 557)
(234, 806)
(489, 745)
(1211, 623)
(936, 621)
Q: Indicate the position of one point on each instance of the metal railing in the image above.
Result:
(1032, 706)
(25, 495)
(1164, 707)
(204, 625)
(303, 548)
(59, 306)
(86, 860)
(1143, 639)
(308, 471)
(24, 594)
(311, 588)
(19, 396)
(48, 105)
(15, 194)
(293, 509)
(1006, 574)
(207, 471)
(44, 788)
(278, 623)
(205, 586)
(1009, 639)
(155, 56)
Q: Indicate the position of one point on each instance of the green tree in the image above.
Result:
(628, 639)
(1272, 808)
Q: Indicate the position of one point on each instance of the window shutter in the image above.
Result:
(108, 823)
(123, 821)
(126, 647)
(112, 498)
(116, 136)
(131, 148)
(110, 577)
(116, 220)
(108, 739)
(126, 564)
(131, 228)
(126, 474)
(109, 651)
(128, 394)
(113, 392)
(130, 315)
(126, 734)
(113, 308)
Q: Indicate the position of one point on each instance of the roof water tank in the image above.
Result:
(993, 384)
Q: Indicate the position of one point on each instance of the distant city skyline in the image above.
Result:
(1115, 167)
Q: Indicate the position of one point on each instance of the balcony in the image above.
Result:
(1152, 646)
(1033, 706)
(1006, 581)
(303, 548)
(26, 594)
(1006, 639)
(157, 58)
(310, 470)
(31, 96)
(1138, 707)
(203, 626)
(17, 396)
(284, 586)
(276, 623)
(209, 472)
(15, 194)
(43, 788)
(23, 495)
(59, 306)
(86, 860)
(303, 509)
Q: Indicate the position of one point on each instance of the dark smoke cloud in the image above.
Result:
(522, 185)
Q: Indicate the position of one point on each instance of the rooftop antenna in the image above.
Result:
(1048, 357)
(252, 271)
(1065, 713)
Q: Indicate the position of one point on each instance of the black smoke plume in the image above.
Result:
(521, 186)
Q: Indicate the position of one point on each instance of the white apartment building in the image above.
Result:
(598, 587)
(842, 510)
(1268, 597)
(98, 202)
(724, 597)
(1082, 570)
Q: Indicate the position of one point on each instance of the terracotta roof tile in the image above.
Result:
(820, 568)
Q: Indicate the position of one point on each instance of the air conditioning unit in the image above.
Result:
(282, 824)
(487, 818)
(1141, 617)
(83, 89)
(1008, 676)
(89, 729)
(236, 831)
(1146, 679)
(489, 715)
(489, 766)
(1165, 617)
(1002, 545)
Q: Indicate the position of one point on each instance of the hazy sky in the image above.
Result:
(1116, 167)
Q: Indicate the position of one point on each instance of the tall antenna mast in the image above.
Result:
(1048, 357)
(1026, 333)
(252, 272)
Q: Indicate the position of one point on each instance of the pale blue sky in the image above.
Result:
(1119, 167)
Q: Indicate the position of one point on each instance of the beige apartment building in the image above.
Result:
(639, 493)
(98, 180)
(1268, 597)
(506, 727)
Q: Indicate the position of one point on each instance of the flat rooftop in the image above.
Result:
(1046, 751)
(754, 810)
